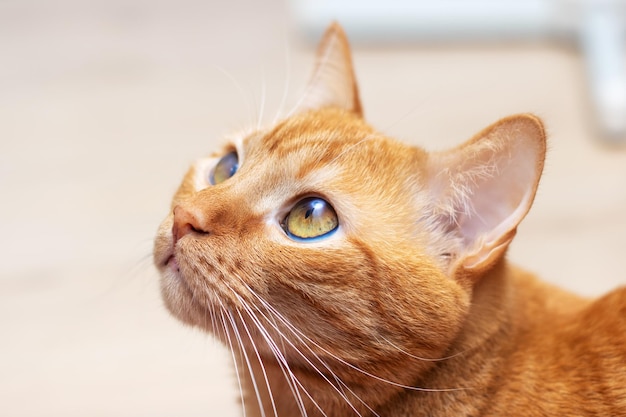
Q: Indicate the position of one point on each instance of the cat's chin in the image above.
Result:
(179, 296)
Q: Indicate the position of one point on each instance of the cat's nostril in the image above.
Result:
(185, 222)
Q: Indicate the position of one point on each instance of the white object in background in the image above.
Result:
(602, 41)
(598, 25)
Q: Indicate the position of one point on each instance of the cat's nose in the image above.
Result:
(185, 222)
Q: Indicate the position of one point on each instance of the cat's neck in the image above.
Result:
(507, 305)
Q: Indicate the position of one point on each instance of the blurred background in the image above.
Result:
(103, 104)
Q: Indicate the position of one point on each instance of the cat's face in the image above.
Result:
(316, 220)
(319, 239)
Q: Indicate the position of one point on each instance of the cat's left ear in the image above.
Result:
(483, 189)
(333, 83)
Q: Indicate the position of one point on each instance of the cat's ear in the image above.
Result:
(333, 83)
(485, 187)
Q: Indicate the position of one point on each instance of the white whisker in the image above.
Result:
(237, 85)
(232, 352)
(445, 358)
(248, 363)
(347, 149)
(322, 61)
(282, 361)
(340, 384)
(306, 358)
(291, 378)
(256, 351)
(283, 100)
(301, 336)
(263, 98)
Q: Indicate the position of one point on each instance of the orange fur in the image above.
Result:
(410, 308)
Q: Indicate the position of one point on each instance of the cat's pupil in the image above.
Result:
(311, 218)
(225, 168)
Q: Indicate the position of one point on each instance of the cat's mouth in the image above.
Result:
(171, 262)
(163, 251)
(165, 256)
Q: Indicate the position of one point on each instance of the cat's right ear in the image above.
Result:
(483, 189)
(333, 83)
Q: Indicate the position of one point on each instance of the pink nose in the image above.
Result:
(185, 222)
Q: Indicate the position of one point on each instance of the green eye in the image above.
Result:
(310, 218)
(225, 168)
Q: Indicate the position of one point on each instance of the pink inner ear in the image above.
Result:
(488, 184)
(500, 197)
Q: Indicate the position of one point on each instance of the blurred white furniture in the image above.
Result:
(596, 25)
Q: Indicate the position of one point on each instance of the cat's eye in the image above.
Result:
(310, 218)
(225, 168)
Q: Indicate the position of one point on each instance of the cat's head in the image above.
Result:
(321, 236)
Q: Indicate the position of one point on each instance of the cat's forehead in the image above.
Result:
(317, 138)
(329, 153)
(328, 147)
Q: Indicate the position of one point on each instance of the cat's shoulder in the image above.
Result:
(608, 312)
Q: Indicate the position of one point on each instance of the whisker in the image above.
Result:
(248, 363)
(281, 359)
(237, 85)
(256, 351)
(403, 116)
(341, 385)
(283, 100)
(263, 98)
(339, 381)
(214, 319)
(232, 352)
(311, 86)
(343, 396)
(445, 358)
(308, 361)
(299, 334)
(140, 271)
(347, 149)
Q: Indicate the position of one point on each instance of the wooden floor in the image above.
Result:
(104, 103)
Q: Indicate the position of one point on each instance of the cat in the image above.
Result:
(352, 275)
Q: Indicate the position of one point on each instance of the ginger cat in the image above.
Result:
(352, 275)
